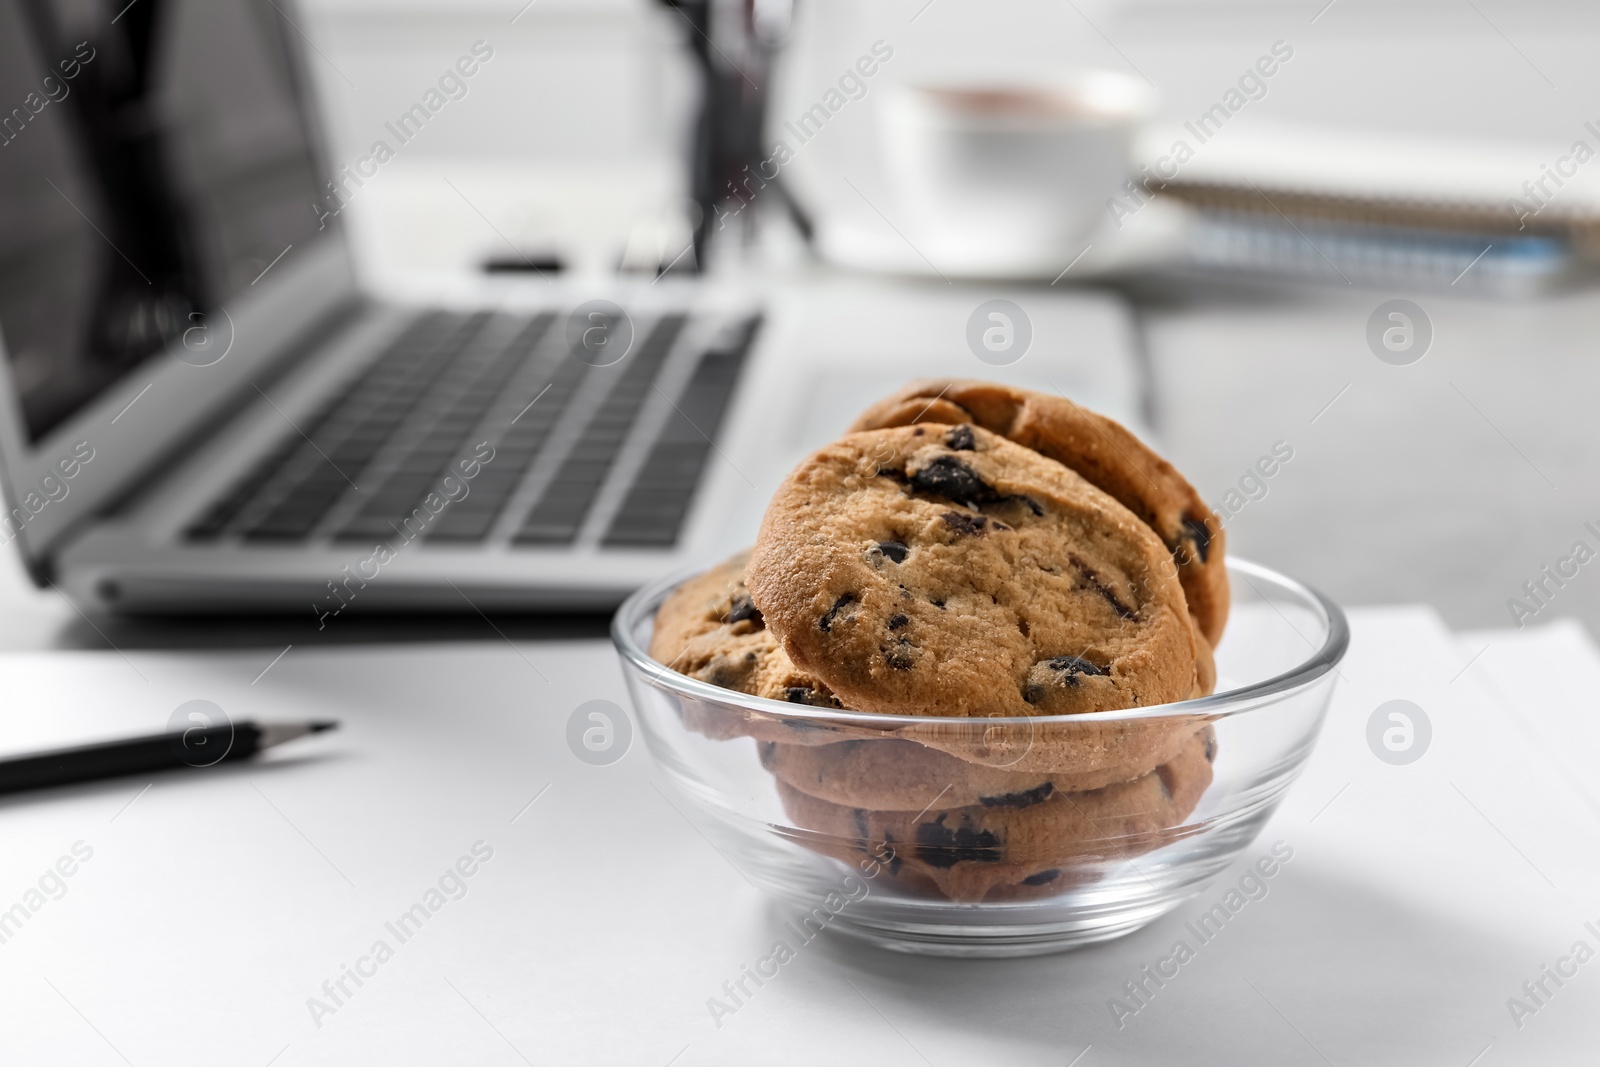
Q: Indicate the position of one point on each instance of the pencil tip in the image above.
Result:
(324, 724)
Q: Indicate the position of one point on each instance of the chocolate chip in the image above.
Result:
(726, 672)
(917, 432)
(1104, 590)
(902, 658)
(1072, 666)
(1200, 534)
(767, 749)
(1056, 672)
(894, 857)
(893, 551)
(861, 824)
(1043, 877)
(938, 603)
(1025, 798)
(897, 621)
(940, 846)
(960, 439)
(964, 524)
(952, 479)
(803, 694)
(743, 609)
(1211, 748)
(826, 622)
(1164, 776)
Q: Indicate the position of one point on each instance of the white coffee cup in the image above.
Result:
(994, 174)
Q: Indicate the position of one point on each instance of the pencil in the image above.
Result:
(196, 747)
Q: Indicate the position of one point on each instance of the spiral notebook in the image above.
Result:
(1328, 205)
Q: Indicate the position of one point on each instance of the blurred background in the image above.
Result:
(1452, 480)
(1394, 153)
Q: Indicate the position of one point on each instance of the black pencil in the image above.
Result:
(197, 747)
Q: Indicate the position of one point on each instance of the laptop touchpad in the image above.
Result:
(862, 343)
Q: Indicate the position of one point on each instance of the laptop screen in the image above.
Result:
(154, 162)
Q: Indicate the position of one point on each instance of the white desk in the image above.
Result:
(215, 904)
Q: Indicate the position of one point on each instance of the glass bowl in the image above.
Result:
(1034, 834)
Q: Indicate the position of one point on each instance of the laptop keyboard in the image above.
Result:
(363, 465)
(659, 497)
(555, 519)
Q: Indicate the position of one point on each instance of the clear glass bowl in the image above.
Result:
(1038, 834)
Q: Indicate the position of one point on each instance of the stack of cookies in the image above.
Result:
(970, 558)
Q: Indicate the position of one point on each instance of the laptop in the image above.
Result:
(202, 409)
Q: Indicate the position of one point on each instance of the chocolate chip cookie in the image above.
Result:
(1099, 449)
(710, 630)
(1014, 845)
(943, 570)
(892, 774)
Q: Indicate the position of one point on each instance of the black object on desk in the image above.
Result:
(196, 747)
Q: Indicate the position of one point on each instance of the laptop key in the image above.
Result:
(445, 439)
(348, 430)
(416, 387)
(653, 511)
(558, 514)
(516, 449)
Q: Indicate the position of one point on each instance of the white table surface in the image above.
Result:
(1418, 900)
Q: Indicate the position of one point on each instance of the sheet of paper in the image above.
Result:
(207, 916)
(1545, 679)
